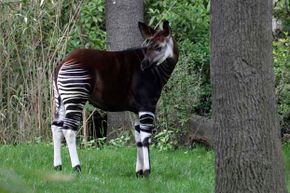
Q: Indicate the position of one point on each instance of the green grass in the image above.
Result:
(286, 151)
(28, 168)
(107, 170)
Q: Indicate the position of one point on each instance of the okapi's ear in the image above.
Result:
(146, 31)
(166, 28)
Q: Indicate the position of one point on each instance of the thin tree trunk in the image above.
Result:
(85, 126)
(122, 18)
(248, 146)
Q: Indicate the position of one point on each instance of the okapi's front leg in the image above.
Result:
(139, 161)
(146, 126)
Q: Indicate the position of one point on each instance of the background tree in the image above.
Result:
(248, 146)
(122, 32)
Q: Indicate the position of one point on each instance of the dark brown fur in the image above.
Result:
(117, 81)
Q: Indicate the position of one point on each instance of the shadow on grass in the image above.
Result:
(11, 181)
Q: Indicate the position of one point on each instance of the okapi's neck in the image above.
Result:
(137, 53)
(165, 69)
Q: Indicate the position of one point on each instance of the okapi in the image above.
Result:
(128, 80)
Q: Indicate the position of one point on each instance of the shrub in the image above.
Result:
(281, 53)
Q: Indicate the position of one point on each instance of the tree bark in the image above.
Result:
(248, 146)
(122, 18)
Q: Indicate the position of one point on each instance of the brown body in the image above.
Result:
(118, 83)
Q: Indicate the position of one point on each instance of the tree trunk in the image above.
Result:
(248, 146)
(122, 18)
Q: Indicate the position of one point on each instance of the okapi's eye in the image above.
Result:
(158, 49)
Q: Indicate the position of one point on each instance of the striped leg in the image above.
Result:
(70, 137)
(74, 87)
(146, 127)
(57, 134)
(71, 124)
(139, 161)
(57, 138)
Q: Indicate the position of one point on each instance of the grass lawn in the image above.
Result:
(28, 168)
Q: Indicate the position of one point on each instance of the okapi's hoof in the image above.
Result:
(58, 168)
(146, 173)
(77, 169)
(139, 174)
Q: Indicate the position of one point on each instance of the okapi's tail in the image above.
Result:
(56, 95)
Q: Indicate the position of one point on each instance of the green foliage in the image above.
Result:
(281, 10)
(164, 141)
(122, 140)
(281, 53)
(189, 19)
(90, 29)
(33, 36)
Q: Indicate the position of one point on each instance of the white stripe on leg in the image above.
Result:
(57, 137)
(146, 159)
(139, 162)
(146, 139)
(70, 137)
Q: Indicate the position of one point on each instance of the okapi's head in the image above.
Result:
(160, 44)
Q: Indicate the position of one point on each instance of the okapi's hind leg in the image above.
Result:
(71, 124)
(143, 133)
(57, 134)
(74, 88)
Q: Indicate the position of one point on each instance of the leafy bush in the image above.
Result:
(282, 12)
(90, 29)
(33, 37)
(281, 53)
